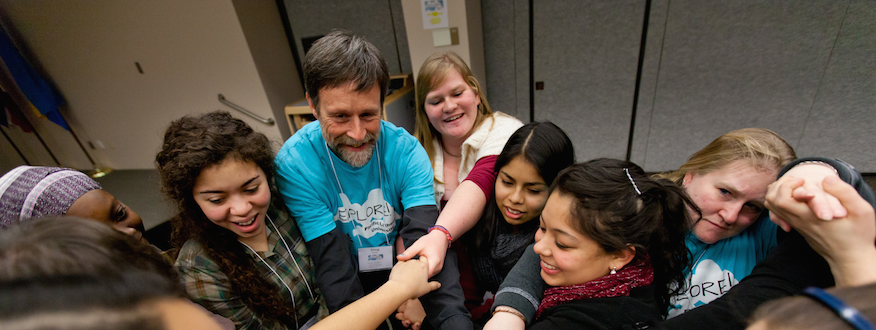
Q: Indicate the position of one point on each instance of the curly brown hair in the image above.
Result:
(191, 144)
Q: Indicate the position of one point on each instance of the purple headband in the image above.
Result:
(33, 191)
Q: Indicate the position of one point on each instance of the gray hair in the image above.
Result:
(342, 57)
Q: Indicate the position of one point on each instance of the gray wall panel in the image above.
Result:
(369, 18)
(521, 57)
(401, 37)
(499, 42)
(728, 65)
(586, 52)
(843, 119)
(650, 76)
(506, 52)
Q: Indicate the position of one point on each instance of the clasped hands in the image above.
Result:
(830, 214)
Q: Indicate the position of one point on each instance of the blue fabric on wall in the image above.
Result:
(36, 88)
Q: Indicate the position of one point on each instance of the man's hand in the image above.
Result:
(809, 191)
(413, 276)
(847, 243)
(432, 246)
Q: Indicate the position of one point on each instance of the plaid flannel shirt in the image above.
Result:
(208, 286)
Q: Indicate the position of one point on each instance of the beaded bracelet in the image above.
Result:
(444, 230)
(512, 311)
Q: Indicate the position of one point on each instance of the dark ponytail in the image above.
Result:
(654, 220)
(668, 204)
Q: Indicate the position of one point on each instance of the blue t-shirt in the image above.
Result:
(719, 266)
(322, 191)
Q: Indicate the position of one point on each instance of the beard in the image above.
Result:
(354, 158)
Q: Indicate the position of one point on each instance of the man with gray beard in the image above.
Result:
(355, 184)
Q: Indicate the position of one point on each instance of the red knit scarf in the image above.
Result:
(636, 274)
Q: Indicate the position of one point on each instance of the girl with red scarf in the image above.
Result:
(611, 243)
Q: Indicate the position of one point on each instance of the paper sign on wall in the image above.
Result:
(434, 14)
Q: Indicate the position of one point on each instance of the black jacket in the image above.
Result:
(636, 311)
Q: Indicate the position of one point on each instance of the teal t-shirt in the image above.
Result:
(322, 191)
(715, 268)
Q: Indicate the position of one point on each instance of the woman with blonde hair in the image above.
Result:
(462, 137)
(728, 180)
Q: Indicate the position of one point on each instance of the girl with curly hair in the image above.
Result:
(240, 255)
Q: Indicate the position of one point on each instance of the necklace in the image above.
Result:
(700, 257)
(292, 256)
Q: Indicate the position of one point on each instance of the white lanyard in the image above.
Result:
(379, 178)
(292, 256)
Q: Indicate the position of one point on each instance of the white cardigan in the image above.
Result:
(488, 139)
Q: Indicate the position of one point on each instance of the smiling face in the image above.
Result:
(520, 191)
(567, 256)
(234, 195)
(730, 199)
(100, 205)
(350, 121)
(452, 107)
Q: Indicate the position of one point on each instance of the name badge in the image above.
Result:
(375, 258)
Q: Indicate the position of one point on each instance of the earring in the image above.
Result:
(613, 271)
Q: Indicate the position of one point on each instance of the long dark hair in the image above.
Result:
(542, 144)
(191, 144)
(609, 210)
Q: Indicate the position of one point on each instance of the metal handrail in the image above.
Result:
(269, 121)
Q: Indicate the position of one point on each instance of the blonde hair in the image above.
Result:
(432, 74)
(760, 147)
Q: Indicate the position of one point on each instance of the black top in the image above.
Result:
(637, 311)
